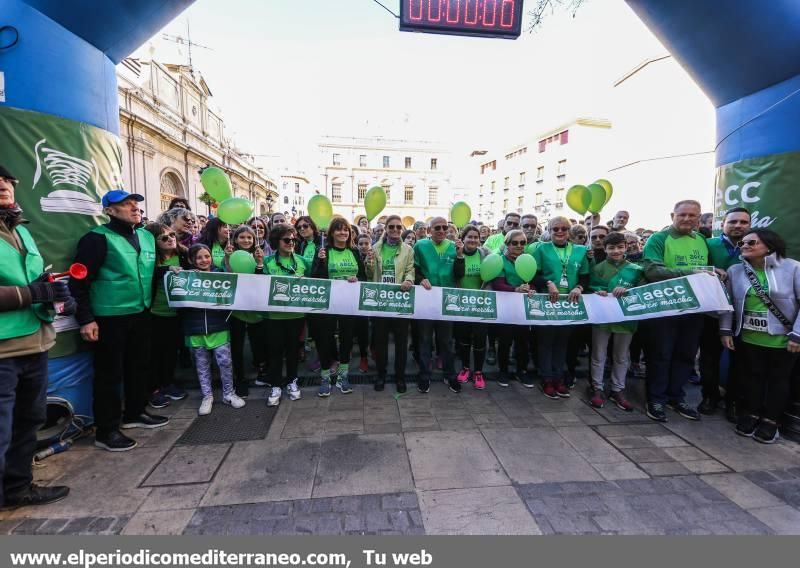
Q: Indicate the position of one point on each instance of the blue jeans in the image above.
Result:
(551, 350)
(671, 348)
(444, 343)
(23, 400)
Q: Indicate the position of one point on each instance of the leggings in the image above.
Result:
(326, 340)
(202, 362)
(471, 337)
(767, 381)
(362, 335)
(283, 334)
(257, 334)
(518, 334)
(165, 341)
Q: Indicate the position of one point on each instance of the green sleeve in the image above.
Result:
(585, 268)
(653, 260)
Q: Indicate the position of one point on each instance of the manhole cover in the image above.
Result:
(226, 424)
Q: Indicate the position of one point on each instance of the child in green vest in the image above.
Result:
(614, 276)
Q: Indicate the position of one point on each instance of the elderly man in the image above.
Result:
(26, 334)
(433, 262)
(421, 230)
(672, 342)
(113, 312)
(495, 242)
(620, 221)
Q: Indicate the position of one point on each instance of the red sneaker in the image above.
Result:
(549, 390)
(463, 375)
(622, 403)
(597, 399)
(363, 366)
(562, 390)
(479, 381)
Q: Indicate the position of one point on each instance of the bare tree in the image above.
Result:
(542, 8)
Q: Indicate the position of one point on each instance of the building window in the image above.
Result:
(522, 178)
(539, 199)
(362, 161)
(297, 188)
(520, 203)
(480, 191)
(337, 159)
(409, 195)
(171, 187)
(542, 145)
(564, 137)
(562, 167)
(540, 173)
(408, 163)
(505, 205)
(336, 192)
(387, 189)
(505, 182)
(362, 192)
(434, 163)
(386, 162)
(433, 196)
(286, 200)
(494, 183)
(559, 196)
(285, 185)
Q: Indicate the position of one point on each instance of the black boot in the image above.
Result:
(380, 382)
(401, 385)
(36, 495)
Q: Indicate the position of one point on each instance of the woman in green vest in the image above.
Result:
(253, 324)
(508, 281)
(166, 336)
(215, 236)
(470, 336)
(563, 269)
(284, 328)
(337, 261)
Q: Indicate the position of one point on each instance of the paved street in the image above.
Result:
(501, 461)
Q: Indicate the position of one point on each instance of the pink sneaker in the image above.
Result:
(463, 375)
(478, 380)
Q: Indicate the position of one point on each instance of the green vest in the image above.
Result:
(16, 270)
(510, 273)
(495, 243)
(124, 284)
(551, 267)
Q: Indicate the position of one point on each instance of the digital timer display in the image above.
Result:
(481, 18)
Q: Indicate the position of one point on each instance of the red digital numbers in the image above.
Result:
(486, 14)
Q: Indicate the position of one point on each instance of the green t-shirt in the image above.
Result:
(310, 252)
(607, 276)
(436, 261)
(495, 242)
(388, 253)
(342, 264)
(531, 248)
(218, 256)
(160, 306)
(754, 318)
(677, 251)
(210, 341)
(285, 266)
(562, 265)
(472, 271)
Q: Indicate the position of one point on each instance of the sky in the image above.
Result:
(284, 73)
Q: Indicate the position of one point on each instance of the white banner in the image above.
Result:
(698, 293)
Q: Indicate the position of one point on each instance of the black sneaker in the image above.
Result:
(400, 385)
(708, 406)
(174, 392)
(454, 385)
(528, 380)
(767, 432)
(570, 379)
(35, 495)
(158, 400)
(491, 356)
(732, 412)
(684, 410)
(116, 441)
(503, 378)
(746, 426)
(379, 383)
(655, 411)
(145, 420)
(423, 385)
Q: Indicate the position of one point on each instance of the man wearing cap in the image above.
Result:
(113, 312)
(26, 334)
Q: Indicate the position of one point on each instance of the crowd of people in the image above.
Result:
(138, 339)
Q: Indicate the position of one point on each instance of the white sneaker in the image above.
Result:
(205, 406)
(234, 400)
(274, 398)
(294, 390)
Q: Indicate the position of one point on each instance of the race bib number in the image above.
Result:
(387, 277)
(755, 321)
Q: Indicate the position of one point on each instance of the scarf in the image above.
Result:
(11, 216)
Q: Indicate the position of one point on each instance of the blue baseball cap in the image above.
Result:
(118, 196)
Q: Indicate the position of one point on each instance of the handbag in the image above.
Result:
(763, 296)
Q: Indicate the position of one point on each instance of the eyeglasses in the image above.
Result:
(394, 227)
(12, 181)
(528, 226)
(288, 240)
(303, 227)
(748, 243)
(166, 237)
(512, 224)
(439, 228)
(517, 243)
(559, 229)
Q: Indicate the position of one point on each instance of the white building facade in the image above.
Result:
(534, 176)
(414, 174)
(294, 192)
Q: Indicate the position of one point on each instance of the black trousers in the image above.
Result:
(381, 328)
(767, 380)
(120, 366)
(23, 399)
(362, 335)
(580, 337)
(327, 346)
(471, 338)
(710, 354)
(283, 335)
(518, 335)
(257, 334)
(166, 340)
(671, 346)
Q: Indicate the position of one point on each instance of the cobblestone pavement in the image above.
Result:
(499, 461)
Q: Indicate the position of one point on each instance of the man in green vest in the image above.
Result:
(26, 334)
(672, 342)
(495, 242)
(723, 253)
(114, 312)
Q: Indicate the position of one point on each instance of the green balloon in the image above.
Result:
(235, 210)
(320, 210)
(608, 187)
(598, 198)
(242, 262)
(374, 201)
(525, 265)
(216, 184)
(460, 214)
(579, 199)
(491, 267)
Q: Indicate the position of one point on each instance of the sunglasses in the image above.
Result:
(166, 237)
(394, 227)
(512, 224)
(559, 230)
(12, 181)
(288, 240)
(580, 237)
(528, 226)
(517, 243)
(303, 227)
(439, 228)
(749, 243)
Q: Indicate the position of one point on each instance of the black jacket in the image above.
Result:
(200, 321)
